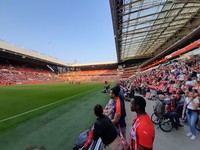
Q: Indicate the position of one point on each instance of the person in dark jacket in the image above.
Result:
(104, 129)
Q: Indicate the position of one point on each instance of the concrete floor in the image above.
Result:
(174, 140)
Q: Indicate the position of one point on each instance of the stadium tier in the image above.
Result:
(176, 75)
(26, 76)
(90, 76)
(16, 72)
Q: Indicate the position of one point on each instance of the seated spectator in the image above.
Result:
(190, 82)
(104, 129)
(181, 77)
(160, 106)
(108, 109)
(167, 111)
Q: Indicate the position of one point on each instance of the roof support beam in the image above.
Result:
(179, 38)
(158, 19)
(157, 13)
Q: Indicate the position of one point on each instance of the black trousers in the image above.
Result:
(174, 117)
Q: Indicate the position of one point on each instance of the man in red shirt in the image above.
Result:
(142, 130)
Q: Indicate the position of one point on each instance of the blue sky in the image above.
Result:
(66, 29)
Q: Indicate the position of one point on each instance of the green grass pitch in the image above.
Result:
(47, 115)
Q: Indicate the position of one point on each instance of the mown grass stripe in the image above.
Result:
(45, 106)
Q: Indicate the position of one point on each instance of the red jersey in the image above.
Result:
(142, 133)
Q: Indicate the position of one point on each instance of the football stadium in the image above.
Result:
(50, 104)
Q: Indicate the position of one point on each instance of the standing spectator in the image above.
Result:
(118, 116)
(121, 93)
(105, 130)
(142, 130)
(132, 93)
(121, 96)
(185, 96)
(191, 105)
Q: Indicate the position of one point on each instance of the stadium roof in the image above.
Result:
(5, 47)
(91, 64)
(144, 28)
(8, 48)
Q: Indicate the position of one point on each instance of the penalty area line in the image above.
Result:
(27, 112)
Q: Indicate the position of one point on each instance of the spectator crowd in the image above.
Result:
(111, 127)
(90, 76)
(176, 85)
(18, 74)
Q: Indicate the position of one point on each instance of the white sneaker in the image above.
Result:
(193, 137)
(189, 134)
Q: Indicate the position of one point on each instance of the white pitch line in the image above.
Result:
(24, 113)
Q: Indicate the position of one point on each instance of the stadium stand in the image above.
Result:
(176, 75)
(90, 76)
(157, 46)
(23, 74)
(22, 66)
(126, 72)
